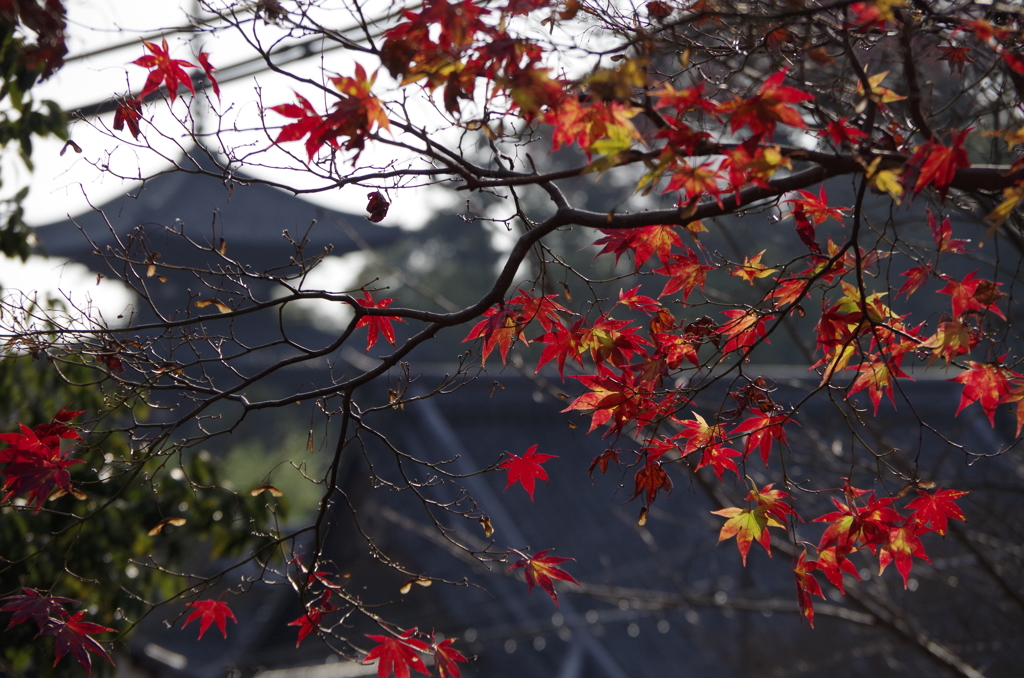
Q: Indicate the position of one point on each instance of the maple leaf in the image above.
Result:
(853, 523)
(879, 94)
(933, 510)
(307, 122)
(377, 206)
(396, 655)
(36, 606)
(699, 434)
(985, 383)
(875, 373)
(833, 561)
(761, 431)
(526, 469)
(943, 235)
(816, 208)
(560, 344)
(788, 291)
(610, 341)
(208, 612)
(971, 294)
(685, 272)
(309, 622)
(694, 182)
(916, 277)
(71, 634)
(643, 242)
(719, 458)
(885, 180)
(674, 349)
(129, 112)
(500, 327)
(952, 338)
(35, 464)
(842, 133)
(541, 569)
(164, 70)
(956, 56)
(639, 302)
(743, 329)
(209, 70)
(807, 586)
(750, 525)
(612, 399)
(445, 657)
(902, 543)
(602, 460)
(649, 480)
(767, 107)
(752, 268)
(377, 324)
(937, 164)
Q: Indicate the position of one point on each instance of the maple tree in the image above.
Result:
(616, 168)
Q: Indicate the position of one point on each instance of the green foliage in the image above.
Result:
(110, 560)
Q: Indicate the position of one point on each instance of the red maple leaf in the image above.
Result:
(560, 344)
(610, 341)
(541, 569)
(916, 277)
(943, 235)
(855, 523)
(129, 112)
(649, 480)
(956, 57)
(307, 122)
(397, 655)
(209, 70)
(719, 458)
(602, 460)
(377, 207)
(685, 272)
(500, 327)
(377, 324)
(933, 510)
(767, 107)
(833, 562)
(526, 469)
(807, 586)
(310, 621)
(750, 525)
(973, 294)
(208, 612)
(35, 464)
(639, 302)
(35, 606)
(985, 383)
(71, 634)
(902, 543)
(761, 430)
(842, 133)
(744, 329)
(164, 70)
(875, 373)
(937, 164)
(445, 657)
(643, 242)
(614, 399)
(815, 207)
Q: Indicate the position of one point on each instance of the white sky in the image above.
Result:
(69, 184)
(66, 185)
